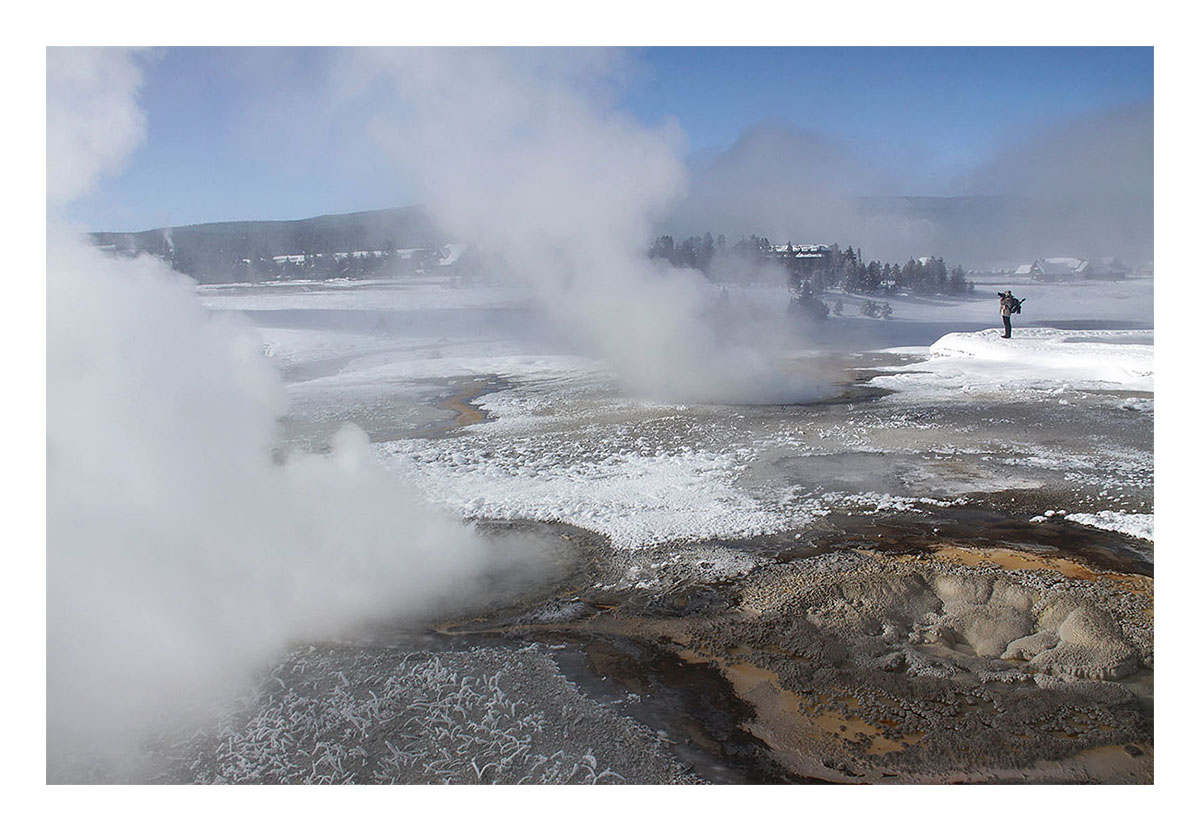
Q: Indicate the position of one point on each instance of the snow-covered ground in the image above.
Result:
(1135, 525)
(970, 413)
(1040, 359)
(415, 294)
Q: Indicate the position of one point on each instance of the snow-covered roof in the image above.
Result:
(454, 250)
(804, 250)
(1061, 265)
(1024, 268)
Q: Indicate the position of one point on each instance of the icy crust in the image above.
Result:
(1134, 525)
(351, 715)
(636, 500)
(566, 450)
(1050, 361)
(643, 475)
(571, 450)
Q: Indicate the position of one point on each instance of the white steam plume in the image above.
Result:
(93, 121)
(1039, 195)
(179, 555)
(522, 152)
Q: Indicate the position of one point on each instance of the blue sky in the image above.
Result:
(959, 104)
(233, 134)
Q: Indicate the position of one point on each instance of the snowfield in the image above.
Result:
(382, 295)
(1040, 359)
(560, 442)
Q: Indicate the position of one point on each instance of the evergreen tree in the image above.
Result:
(663, 247)
(958, 280)
(872, 277)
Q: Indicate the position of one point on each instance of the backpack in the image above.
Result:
(1016, 308)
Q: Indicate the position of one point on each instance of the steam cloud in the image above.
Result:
(1084, 186)
(780, 182)
(523, 153)
(180, 556)
(1081, 188)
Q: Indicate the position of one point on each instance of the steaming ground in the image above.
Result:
(1041, 445)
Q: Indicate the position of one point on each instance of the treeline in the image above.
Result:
(218, 252)
(693, 252)
(387, 262)
(814, 269)
(847, 269)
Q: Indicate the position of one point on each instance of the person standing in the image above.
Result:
(1008, 305)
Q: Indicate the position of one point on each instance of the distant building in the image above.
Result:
(801, 261)
(801, 257)
(1050, 269)
(1060, 268)
(804, 250)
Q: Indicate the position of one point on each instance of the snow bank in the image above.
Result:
(1135, 525)
(1125, 358)
(1045, 359)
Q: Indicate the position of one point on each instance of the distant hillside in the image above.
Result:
(219, 251)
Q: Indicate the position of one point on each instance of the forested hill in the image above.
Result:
(214, 251)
